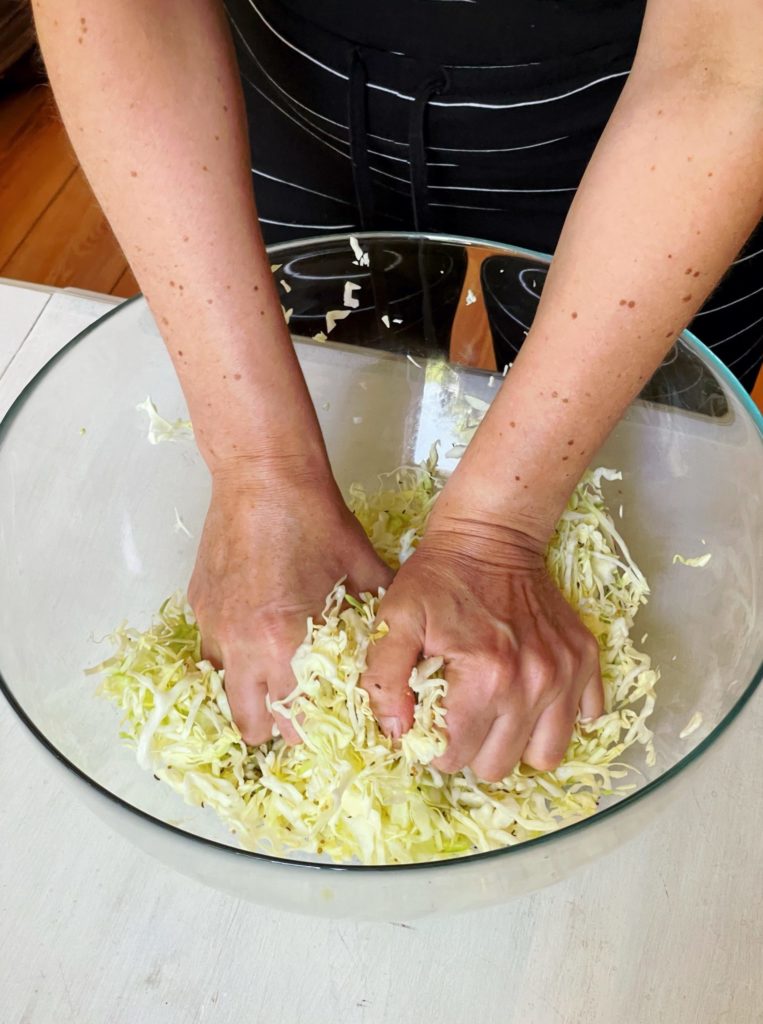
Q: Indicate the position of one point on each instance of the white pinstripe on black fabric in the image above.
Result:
(746, 353)
(382, 138)
(736, 334)
(437, 103)
(749, 256)
(514, 191)
(317, 126)
(726, 305)
(302, 188)
(460, 206)
(310, 227)
(312, 134)
(507, 149)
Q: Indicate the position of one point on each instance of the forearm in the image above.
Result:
(673, 191)
(150, 95)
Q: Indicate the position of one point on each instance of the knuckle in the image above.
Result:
(449, 764)
(287, 730)
(589, 650)
(493, 679)
(223, 624)
(255, 726)
(224, 633)
(538, 673)
(253, 736)
(544, 759)
(568, 664)
(451, 760)
(491, 771)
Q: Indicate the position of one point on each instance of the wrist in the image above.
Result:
(480, 538)
(477, 506)
(275, 469)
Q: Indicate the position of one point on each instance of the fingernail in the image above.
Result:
(391, 726)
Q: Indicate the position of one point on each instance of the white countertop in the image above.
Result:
(668, 929)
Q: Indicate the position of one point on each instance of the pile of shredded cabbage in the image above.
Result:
(348, 791)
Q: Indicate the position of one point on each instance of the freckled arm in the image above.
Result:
(150, 95)
(673, 191)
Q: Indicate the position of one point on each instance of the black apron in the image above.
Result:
(469, 117)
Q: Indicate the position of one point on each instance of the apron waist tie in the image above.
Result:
(434, 84)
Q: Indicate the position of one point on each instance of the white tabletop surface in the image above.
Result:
(667, 929)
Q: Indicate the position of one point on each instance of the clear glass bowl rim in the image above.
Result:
(671, 773)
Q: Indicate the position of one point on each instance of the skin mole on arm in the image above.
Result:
(574, 316)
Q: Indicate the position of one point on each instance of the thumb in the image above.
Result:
(390, 663)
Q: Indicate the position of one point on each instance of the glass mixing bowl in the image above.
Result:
(87, 540)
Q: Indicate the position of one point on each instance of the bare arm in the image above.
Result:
(674, 189)
(672, 192)
(150, 95)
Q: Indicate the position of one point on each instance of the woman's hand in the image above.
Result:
(271, 550)
(518, 661)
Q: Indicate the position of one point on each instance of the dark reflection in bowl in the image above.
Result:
(425, 290)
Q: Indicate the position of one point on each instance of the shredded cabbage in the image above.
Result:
(160, 429)
(697, 563)
(348, 791)
(692, 725)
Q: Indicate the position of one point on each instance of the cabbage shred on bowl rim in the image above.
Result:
(348, 791)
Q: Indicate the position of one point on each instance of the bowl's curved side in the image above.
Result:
(401, 893)
(113, 459)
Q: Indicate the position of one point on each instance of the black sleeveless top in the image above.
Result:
(471, 117)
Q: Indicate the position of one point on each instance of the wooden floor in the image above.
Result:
(52, 230)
